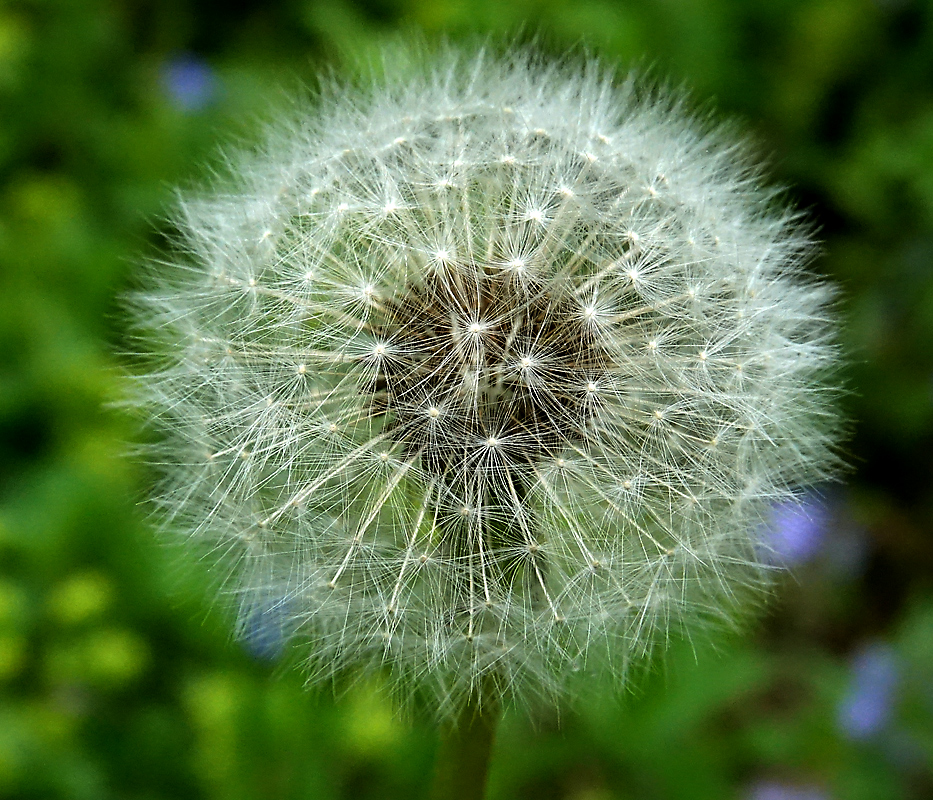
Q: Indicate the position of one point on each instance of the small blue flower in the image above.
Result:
(264, 634)
(189, 82)
(866, 708)
(771, 790)
(797, 531)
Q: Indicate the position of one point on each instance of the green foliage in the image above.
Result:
(114, 681)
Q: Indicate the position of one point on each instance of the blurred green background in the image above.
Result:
(119, 678)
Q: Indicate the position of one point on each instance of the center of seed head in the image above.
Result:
(484, 390)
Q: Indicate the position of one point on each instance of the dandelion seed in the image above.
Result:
(478, 474)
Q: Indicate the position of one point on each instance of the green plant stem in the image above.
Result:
(462, 763)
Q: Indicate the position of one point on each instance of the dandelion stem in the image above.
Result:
(463, 756)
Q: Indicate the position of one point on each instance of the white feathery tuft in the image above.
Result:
(488, 373)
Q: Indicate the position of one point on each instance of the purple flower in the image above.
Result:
(797, 530)
(866, 708)
(264, 634)
(771, 790)
(189, 82)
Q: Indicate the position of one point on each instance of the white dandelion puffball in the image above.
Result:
(486, 373)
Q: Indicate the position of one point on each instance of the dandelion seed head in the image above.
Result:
(507, 396)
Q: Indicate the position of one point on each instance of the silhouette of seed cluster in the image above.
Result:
(488, 374)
